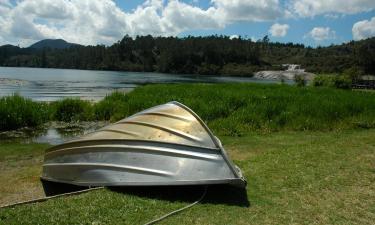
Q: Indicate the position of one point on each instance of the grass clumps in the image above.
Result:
(69, 110)
(17, 112)
(110, 106)
(234, 109)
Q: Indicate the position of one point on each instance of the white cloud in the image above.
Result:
(85, 22)
(364, 29)
(278, 30)
(249, 10)
(48, 9)
(309, 8)
(178, 17)
(321, 33)
(102, 21)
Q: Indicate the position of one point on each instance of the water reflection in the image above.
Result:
(53, 136)
(52, 133)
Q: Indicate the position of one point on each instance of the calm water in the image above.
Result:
(53, 84)
(52, 132)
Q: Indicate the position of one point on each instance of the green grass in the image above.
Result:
(342, 81)
(229, 109)
(235, 109)
(69, 109)
(307, 153)
(17, 112)
(293, 178)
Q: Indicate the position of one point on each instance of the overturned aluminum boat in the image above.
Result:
(164, 145)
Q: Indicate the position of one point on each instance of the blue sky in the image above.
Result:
(311, 22)
(299, 27)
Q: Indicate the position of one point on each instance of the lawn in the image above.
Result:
(308, 177)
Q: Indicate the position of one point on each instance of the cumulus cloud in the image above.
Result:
(102, 21)
(278, 30)
(321, 33)
(309, 8)
(248, 10)
(364, 29)
(178, 16)
(85, 22)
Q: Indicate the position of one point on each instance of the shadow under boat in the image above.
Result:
(216, 194)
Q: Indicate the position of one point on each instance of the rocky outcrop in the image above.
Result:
(286, 75)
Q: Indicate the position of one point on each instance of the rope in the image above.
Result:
(178, 210)
(97, 188)
(50, 197)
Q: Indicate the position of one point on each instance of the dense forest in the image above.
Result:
(197, 55)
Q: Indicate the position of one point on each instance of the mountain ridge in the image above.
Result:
(53, 44)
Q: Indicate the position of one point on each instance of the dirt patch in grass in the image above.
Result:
(20, 166)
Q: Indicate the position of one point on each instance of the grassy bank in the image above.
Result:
(307, 153)
(229, 109)
(293, 178)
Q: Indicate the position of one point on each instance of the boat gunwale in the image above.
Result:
(112, 166)
(84, 141)
(182, 150)
(234, 181)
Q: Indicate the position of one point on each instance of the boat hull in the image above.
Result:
(135, 163)
(164, 145)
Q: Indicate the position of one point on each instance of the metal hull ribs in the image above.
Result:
(165, 145)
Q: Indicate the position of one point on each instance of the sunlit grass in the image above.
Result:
(230, 109)
(235, 109)
(17, 111)
(293, 178)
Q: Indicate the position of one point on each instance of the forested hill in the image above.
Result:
(196, 55)
(53, 44)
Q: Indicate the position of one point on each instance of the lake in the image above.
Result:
(42, 84)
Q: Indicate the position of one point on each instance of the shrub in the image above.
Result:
(300, 80)
(353, 73)
(343, 82)
(324, 81)
(337, 81)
